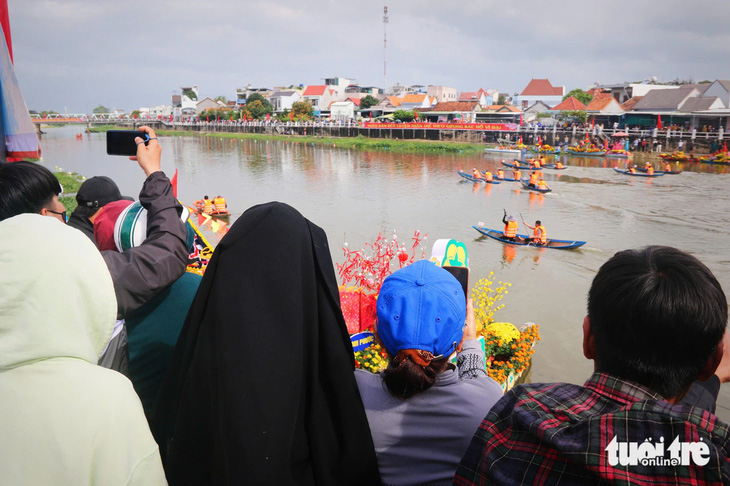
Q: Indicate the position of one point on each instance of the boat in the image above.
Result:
(519, 165)
(527, 241)
(622, 154)
(225, 215)
(507, 179)
(545, 150)
(679, 157)
(595, 153)
(552, 166)
(470, 177)
(641, 169)
(498, 150)
(640, 174)
(530, 188)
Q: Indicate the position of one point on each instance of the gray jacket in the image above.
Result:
(141, 273)
(420, 441)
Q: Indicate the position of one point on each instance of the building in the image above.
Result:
(570, 104)
(188, 98)
(283, 100)
(540, 90)
(342, 110)
(320, 97)
(242, 94)
(208, 104)
(442, 93)
(460, 111)
(625, 91)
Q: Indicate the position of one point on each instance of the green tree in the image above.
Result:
(190, 94)
(135, 114)
(501, 100)
(220, 98)
(403, 115)
(257, 106)
(580, 95)
(578, 115)
(101, 109)
(302, 110)
(367, 102)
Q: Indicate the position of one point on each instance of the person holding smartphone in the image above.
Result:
(422, 409)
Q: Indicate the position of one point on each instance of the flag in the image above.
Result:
(267, 117)
(291, 116)
(231, 116)
(415, 115)
(522, 122)
(5, 24)
(659, 122)
(170, 116)
(593, 123)
(173, 181)
(218, 117)
(244, 117)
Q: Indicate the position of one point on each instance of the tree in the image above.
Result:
(190, 94)
(302, 110)
(257, 106)
(100, 109)
(580, 95)
(578, 115)
(403, 115)
(136, 113)
(367, 102)
(220, 98)
(501, 100)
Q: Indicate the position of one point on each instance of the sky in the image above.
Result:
(73, 55)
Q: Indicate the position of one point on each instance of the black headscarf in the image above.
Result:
(261, 390)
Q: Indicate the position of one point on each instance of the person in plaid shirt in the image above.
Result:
(655, 324)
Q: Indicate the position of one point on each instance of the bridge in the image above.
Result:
(96, 118)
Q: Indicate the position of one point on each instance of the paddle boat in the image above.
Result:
(666, 172)
(554, 167)
(519, 165)
(470, 177)
(524, 240)
(637, 173)
(224, 215)
(503, 150)
(532, 188)
(619, 153)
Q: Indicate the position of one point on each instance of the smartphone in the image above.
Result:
(121, 142)
(462, 275)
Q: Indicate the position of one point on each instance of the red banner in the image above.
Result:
(507, 127)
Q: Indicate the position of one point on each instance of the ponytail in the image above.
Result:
(404, 378)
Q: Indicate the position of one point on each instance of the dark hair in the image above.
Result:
(86, 210)
(538, 222)
(658, 315)
(405, 378)
(25, 187)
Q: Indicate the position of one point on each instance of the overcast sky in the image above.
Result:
(72, 55)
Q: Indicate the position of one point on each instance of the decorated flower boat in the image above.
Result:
(591, 152)
(678, 157)
(619, 153)
(545, 149)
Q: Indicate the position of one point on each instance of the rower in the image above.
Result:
(541, 161)
(488, 176)
(516, 174)
(539, 235)
(220, 204)
(510, 227)
(667, 167)
(632, 169)
(533, 179)
(207, 204)
(476, 174)
(650, 170)
(500, 174)
(542, 185)
(559, 165)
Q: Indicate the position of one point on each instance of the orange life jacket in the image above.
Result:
(517, 174)
(650, 170)
(542, 185)
(488, 176)
(667, 168)
(540, 234)
(632, 170)
(500, 174)
(533, 178)
(220, 204)
(510, 229)
(559, 165)
(207, 205)
(475, 173)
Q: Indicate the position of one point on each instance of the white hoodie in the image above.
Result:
(63, 419)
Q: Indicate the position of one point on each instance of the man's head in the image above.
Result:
(538, 223)
(95, 193)
(656, 316)
(27, 187)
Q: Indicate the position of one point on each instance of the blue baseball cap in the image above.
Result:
(421, 306)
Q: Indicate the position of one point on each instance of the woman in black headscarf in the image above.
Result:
(261, 389)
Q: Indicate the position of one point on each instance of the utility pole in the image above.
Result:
(385, 45)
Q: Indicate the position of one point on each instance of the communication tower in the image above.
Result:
(385, 46)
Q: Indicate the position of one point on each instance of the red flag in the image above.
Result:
(170, 116)
(605, 144)
(291, 116)
(659, 122)
(231, 116)
(267, 117)
(218, 117)
(522, 122)
(415, 115)
(520, 135)
(593, 123)
(5, 24)
(173, 181)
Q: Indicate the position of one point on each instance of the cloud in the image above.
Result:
(136, 53)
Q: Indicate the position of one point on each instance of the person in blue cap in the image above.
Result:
(423, 410)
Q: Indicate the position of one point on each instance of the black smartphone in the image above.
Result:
(121, 142)
(462, 275)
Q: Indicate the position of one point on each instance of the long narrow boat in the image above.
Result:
(639, 174)
(496, 150)
(519, 165)
(600, 153)
(525, 240)
(470, 177)
(530, 188)
(623, 154)
(552, 166)
(666, 172)
(508, 179)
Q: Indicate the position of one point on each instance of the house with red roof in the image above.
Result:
(570, 104)
(540, 90)
(320, 97)
(604, 104)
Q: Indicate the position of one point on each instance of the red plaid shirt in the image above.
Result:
(567, 434)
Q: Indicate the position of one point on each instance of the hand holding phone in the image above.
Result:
(122, 142)
(149, 153)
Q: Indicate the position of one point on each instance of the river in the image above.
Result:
(354, 195)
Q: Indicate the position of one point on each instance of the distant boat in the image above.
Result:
(524, 240)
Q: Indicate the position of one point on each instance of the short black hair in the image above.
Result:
(25, 187)
(658, 315)
(538, 222)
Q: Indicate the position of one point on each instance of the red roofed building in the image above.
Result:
(570, 104)
(319, 96)
(604, 103)
(541, 90)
